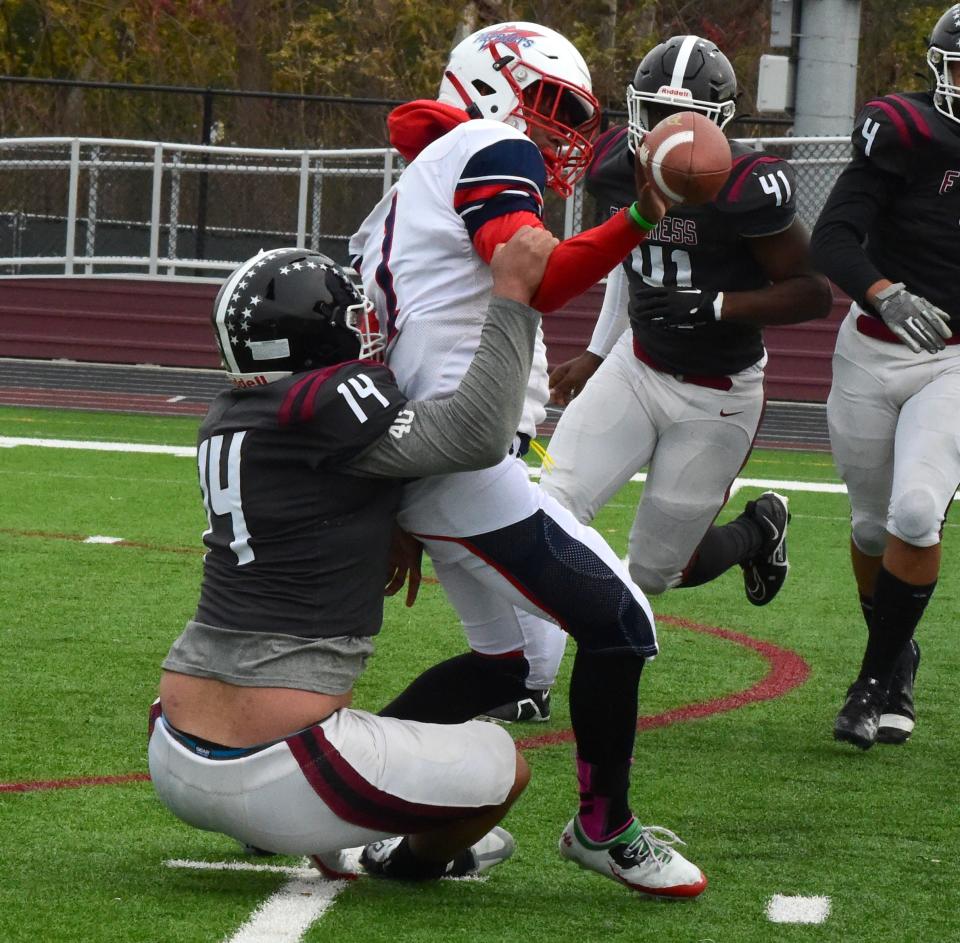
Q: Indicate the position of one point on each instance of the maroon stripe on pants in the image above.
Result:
(355, 800)
(155, 711)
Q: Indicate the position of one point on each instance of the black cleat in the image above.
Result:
(859, 718)
(387, 859)
(898, 717)
(256, 852)
(764, 574)
(533, 709)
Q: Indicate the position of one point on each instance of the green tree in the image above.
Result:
(389, 49)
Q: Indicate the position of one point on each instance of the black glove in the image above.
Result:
(913, 319)
(676, 307)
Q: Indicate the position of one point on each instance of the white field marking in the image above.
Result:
(782, 909)
(768, 484)
(182, 451)
(175, 399)
(285, 916)
(185, 451)
(101, 539)
(302, 872)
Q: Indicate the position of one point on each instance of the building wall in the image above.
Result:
(166, 322)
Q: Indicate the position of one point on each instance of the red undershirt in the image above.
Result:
(577, 263)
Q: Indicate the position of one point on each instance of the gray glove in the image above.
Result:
(913, 319)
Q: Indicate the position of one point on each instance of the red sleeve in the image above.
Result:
(575, 264)
(581, 261)
(500, 229)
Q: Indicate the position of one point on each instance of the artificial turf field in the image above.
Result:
(734, 752)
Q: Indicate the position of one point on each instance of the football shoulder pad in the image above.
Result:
(502, 173)
(891, 131)
(760, 195)
(342, 408)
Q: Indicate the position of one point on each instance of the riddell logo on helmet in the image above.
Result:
(675, 92)
(260, 380)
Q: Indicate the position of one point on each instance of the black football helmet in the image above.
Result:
(944, 51)
(289, 310)
(682, 72)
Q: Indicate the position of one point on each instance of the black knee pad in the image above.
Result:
(566, 579)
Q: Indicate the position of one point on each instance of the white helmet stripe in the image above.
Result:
(683, 58)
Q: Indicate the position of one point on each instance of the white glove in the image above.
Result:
(913, 319)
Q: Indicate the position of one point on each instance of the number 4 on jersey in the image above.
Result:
(219, 500)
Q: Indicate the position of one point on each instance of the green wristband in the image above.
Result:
(644, 224)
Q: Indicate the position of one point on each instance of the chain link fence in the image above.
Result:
(90, 205)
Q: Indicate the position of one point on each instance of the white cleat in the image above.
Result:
(341, 865)
(644, 858)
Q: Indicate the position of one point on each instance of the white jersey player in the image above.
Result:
(516, 114)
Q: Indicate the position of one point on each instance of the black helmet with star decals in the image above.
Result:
(290, 310)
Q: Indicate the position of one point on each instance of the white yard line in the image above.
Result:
(188, 452)
(303, 872)
(783, 909)
(182, 451)
(285, 916)
(768, 484)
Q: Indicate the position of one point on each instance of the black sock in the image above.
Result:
(603, 712)
(460, 688)
(866, 607)
(603, 705)
(722, 547)
(897, 609)
(406, 866)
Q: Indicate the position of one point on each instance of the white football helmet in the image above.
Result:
(529, 77)
(944, 52)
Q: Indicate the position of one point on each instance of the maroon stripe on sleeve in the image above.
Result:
(741, 170)
(915, 115)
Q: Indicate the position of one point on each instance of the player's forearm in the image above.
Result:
(612, 320)
(838, 239)
(581, 261)
(474, 427)
(838, 252)
(802, 298)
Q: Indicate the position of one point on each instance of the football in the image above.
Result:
(687, 157)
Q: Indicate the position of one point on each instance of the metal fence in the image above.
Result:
(98, 205)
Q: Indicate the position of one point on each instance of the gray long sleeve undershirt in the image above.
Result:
(474, 427)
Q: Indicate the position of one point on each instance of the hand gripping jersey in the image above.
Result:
(704, 246)
(900, 195)
(418, 264)
(302, 553)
